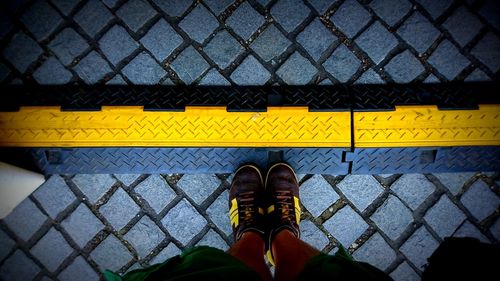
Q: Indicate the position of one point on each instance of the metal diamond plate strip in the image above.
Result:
(425, 160)
(196, 127)
(410, 126)
(179, 160)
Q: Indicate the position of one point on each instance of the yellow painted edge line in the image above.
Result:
(122, 126)
(419, 126)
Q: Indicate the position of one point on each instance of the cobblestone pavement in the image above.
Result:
(75, 225)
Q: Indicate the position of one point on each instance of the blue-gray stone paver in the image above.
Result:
(223, 49)
(393, 217)
(312, 235)
(52, 72)
(316, 39)
(467, 229)
(488, 51)
(82, 225)
(136, 13)
(218, 6)
(477, 76)
(431, 79)
(463, 25)
(189, 65)
(218, 212)
(377, 42)
(271, 43)
(213, 239)
(418, 32)
(444, 217)
(6, 245)
(376, 252)
(454, 181)
(350, 18)
(117, 80)
(78, 270)
(435, 8)
(166, 253)
(93, 186)
(316, 194)
(25, 219)
(289, 13)
(448, 60)
(361, 190)
(52, 249)
(346, 226)
(110, 3)
(93, 17)
(174, 8)
(370, 77)
(144, 236)
(127, 179)
(214, 78)
(67, 45)
(250, 72)
(119, 209)
(198, 186)
(404, 67)
(404, 272)
(41, 19)
(66, 6)
(161, 40)
(480, 200)
(342, 64)
(117, 36)
(321, 6)
(175, 222)
(495, 229)
(490, 11)
(22, 51)
(92, 68)
(413, 189)
(419, 247)
(143, 70)
(54, 195)
(245, 21)
(111, 254)
(296, 70)
(391, 11)
(18, 267)
(199, 23)
(156, 192)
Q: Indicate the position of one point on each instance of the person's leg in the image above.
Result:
(250, 250)
(246, 202)
(290, 254)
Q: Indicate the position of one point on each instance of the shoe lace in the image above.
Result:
(247, 207)
(284, 204)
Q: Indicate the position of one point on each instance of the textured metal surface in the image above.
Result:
(196, 127)
(316, 98)
(410, 126)
(424, 160)
(177, 160)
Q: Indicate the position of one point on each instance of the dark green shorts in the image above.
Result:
(206, 263)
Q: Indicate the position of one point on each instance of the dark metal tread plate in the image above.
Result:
(424, 159)
(253, 98)
(174, 160)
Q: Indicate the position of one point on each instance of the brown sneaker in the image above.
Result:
(282, 189)
(246, 201)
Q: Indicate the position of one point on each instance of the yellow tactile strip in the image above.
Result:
(415, 126)
(195, 127)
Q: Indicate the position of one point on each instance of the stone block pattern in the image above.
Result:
(243, 43)
(393, 223)
(250, 42)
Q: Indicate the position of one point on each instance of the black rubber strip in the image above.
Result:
(253, 98)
